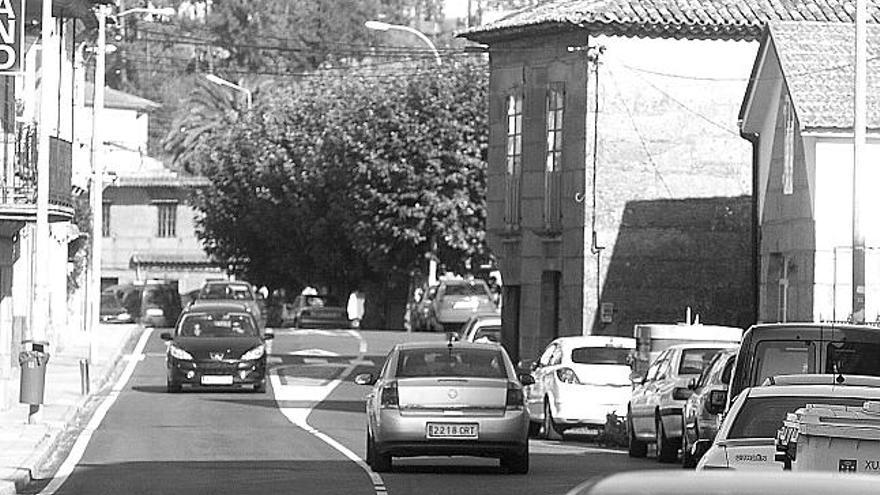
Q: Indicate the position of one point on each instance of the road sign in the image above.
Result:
(11, 36)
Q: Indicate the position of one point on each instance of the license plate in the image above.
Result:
(465, 305)
(452, 430)
(216, 380)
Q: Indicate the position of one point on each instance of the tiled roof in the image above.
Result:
(817, 63)
(169, 180)
(113, 98)
(176, 258)
(690, 19)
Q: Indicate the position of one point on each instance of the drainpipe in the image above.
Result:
(754, 139)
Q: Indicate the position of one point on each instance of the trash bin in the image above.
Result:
(33, 359)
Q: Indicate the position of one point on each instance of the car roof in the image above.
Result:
(705, 345)
(458, 344)
(814, 391)
(215, 305)
(764, 327)
(661, 482)
(596, 341)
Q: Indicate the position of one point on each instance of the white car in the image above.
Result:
(578, 382)
(482, 328)
(658, 398)
(746, 439)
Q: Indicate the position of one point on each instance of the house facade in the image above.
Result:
(20, 114)
(619, 187)
(148, 221)
(798, 112)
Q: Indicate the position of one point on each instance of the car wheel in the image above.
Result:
(172, 387)
(666, 450)
(516, 463)
(549, 429)
(380, 463)
(637, 448)
(687, 459)
(534, 428)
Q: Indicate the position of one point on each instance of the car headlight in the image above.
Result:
(155, 312)
(255, 353)
(178, 353)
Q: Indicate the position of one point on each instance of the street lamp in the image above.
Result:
(223, 82)
(96, 148)
(384, 26)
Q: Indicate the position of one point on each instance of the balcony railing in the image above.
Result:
(512, 201)
(553, 201)
(19, 160)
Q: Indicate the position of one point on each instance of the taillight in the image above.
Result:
(515, 398)
(389, 397)
(566, 375)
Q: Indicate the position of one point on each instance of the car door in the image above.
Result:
(641, 407)
(536, 393)
(660, 391)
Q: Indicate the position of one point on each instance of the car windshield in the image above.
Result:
(472, 289)
(226, 291)
(492, 333)
(783, 357)
(217, 325)
(482, 363)
(853, 358)
(694, 361)
(110, 301)
(761, 417)
(600, 355)
(319, 301)
(155, 295)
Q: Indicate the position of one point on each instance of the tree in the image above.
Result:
(343, 181)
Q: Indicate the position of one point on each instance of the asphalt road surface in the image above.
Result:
(305, 435)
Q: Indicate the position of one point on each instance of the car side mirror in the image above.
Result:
(717, 401)
(365, 379)
(692, 384)
(701, 447)
(165, 336)
(526, 379)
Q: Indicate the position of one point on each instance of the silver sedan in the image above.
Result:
(452, 398)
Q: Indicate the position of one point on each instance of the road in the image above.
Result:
(304, 435)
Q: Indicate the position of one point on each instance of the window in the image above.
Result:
(483, 363)
(167, 220)
(553, 160)
(780, 357)
(788, 158)
(694, 361)
(600, 355)
(105, 220)
(761, 417)
(514, 104)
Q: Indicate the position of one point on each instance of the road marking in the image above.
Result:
(299, 416)
(313, 352)
(82, 441)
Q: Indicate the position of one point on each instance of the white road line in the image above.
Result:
(82, 441)
(299, 416)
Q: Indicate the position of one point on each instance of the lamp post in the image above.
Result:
(384, 26)
(96, 156)
(248, 94)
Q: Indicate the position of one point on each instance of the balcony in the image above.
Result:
(18, 184)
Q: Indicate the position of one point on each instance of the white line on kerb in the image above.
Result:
(82, 441)
(299, 416)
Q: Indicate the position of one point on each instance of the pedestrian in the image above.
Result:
(495, 289)
(355, 307)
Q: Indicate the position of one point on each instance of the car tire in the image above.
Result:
(260, 387)
(379, 463)
(666, 451)
(172, 387)
(637, 448)
(516, 463)
(687, 459)
(534, 428)
(549, 430)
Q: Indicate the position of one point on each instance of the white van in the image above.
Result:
(578, 382)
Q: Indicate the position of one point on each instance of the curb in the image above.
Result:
(51, 440)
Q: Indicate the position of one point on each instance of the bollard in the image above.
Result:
(84, 382)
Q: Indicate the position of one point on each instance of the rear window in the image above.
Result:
(600, 355)
(761, 417)
(226, 291)
(466, 290)
(853, 358)
(492, 333)
(694, 361)
(481, 363)
(783, 357)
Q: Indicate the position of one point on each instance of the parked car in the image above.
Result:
(701, 422)
(314, 311)
(795, 348)
(153, 303)
(447, 398)
(456, 300)
(746, 439)
(578, 382)
(482, 328)
(112, 310)
(233, 291)
(726, 482)
(655, 409)
(216, 344)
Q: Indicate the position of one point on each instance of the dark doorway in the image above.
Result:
(550, 281)
(510, 302)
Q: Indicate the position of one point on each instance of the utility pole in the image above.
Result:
(859, 122)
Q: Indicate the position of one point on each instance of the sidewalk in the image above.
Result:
(25, 447)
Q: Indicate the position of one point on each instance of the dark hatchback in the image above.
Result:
(216, 345)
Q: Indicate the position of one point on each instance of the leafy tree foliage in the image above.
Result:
(340, 181)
